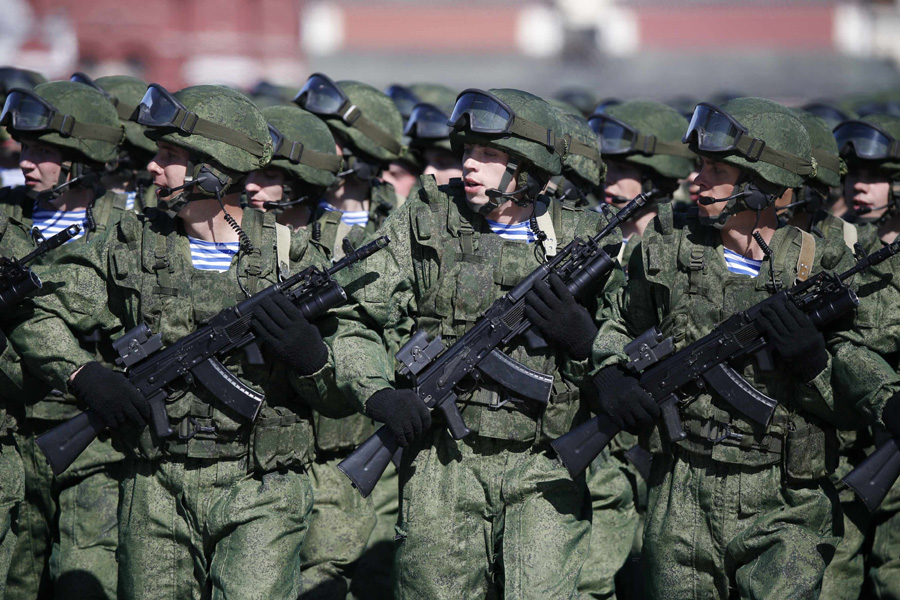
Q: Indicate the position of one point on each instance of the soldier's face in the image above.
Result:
(264, 185)
(482, 169)
(622, 181)
(41, 165)
(443, 164)
(400, 176)
(169, 167)
(867, 191)
(715, 180)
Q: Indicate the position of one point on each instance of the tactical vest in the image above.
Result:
(461, 267)
(702, 293)
(329, 231)
(151, 262)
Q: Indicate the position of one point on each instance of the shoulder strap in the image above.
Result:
(283, 249)
(851, 234)
(807, 255)
(545, 224)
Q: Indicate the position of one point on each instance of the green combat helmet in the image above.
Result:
(71, 116)
(762, 138)
(304, 150)
(647, 135)
(873, 142)
(358, 114)
(581, 98)
(225, 133)
(829, 165)
(582, 167)
(515, 122)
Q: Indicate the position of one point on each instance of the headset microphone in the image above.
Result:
(706, 201)
(163, 191)
(284, 203)
(618, 199)
(89, 177)
(864, 210)
(495, 193)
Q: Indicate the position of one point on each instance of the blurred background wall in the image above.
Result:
(787, 50)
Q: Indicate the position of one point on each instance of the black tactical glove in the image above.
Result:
(282, 327)
(890, 416)
(796, 341)
(402, 412)
(565, 324)
(623, 400)
(110, 396)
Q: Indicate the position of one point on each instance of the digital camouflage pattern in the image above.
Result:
(498, 493)
(126, 93)
(729, 517)
(298, 125)
(379, 108)
(50, 549)
(144, 267)
(662, 121)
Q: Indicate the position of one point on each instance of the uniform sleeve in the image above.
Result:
(379, 315)
(75, 299)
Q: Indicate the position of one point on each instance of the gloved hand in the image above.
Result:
(110, 396)
(890, 416)
(402, 412)
(623, 400)
(282, 327)
(796, 341)
(565, 324)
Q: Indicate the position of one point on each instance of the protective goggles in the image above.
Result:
(25, 111)
(427, 122)
(866, 141)
(714, 130)
(618, 138)
(404, 99)
(160, 109)
(296, 153)
(828, 113)
(481, 112)
(321, 96)
(124, 110)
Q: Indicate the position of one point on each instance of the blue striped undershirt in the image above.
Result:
(51, 222)
(516, 232)
(212, 256)
(129, 200)
(348, 217)
(741, 264)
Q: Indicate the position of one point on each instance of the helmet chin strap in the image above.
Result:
(496, 196)
(892, 208)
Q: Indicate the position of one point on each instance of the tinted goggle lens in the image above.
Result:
(427, 122)
(158, 108)
(277, 139)
(404, 99)
(485, 114)
(26, 112)
(615, 138)
(829, 114)
(715, 131)
(320, 95)
(867, 142)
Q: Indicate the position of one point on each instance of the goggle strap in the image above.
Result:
(298, 154)
(534, 132)
(755, 149)
(582, 149)
(125, 110)
(650, 144)
(353, 117)
(188, 122)
(67, 126)
(827, 160)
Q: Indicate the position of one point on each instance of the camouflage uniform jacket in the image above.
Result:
(140, 271)
(677, 280)
(442, 270)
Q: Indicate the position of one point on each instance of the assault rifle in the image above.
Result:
(17, 280)
(151, 369)
(436, 371)
(664, 373)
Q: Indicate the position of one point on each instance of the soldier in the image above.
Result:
(367, 128)
(221, 507)
(303, 166)
(429, 138)
(642, 149)
(493, 513)
(127, 175)
(12, 77)
(67, 526)
(13, 244)
(581, 182)
(735, 508)
(865, 369)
